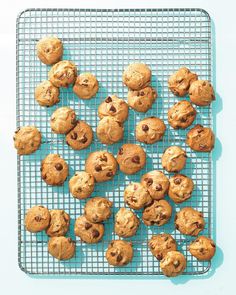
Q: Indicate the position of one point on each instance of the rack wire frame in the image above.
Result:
(104, 42)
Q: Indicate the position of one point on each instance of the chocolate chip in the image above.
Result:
(183, 119)
(38, 218)
(201, 250)
(59, 166)
(149, 181)
(176, 263)
(121, 151)
(87, 225)
(162, 216)
(133, 199)
(112, 109)
(108, 99)
(158, 187)
(136, 159)
(119, 258)
(95, 233)
(84, 139)
(104, 158)
(177, 180)
(98, 168)
(145, 127)
(159, 256)
(73, 135)
(109, 174)
(142, 93)
(69, 240)
(113, 254)
(86, 80)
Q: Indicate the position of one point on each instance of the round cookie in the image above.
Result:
(150, 130)
(97, 209)
(136, 196)
(63, 120)
(62, 248)
(87, 231)
(200, 139)
(37, 219)
(81, 185)
(27, 140)
(156, 183)
(189, 221)
(180, 81)
(62, 74)
(173, 264)
(203, 248)
(86, 86)
(102, 165)
(114, 106)
(159, 213)
(119, 253)
(180, 188)
(80, 137)
(181, 115)
(161, 244)
(49, 50)
(59, 223)
(201, 93)
(173, 159)
(54, 170)
(137, 76)
(142, 100)
(131, 158)
(46, 94)
(126, 223)
(109, 130)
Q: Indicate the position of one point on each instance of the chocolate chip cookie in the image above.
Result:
(46, 94)
(201, 93)
(59, 223)
(109, 130)
(126, 223)
(180, 188)
(173, 264)
(158, 213)
(49, 50)
(97, 209)
(37, 219)
(203, 248)
(137, 76)
(173, 159)
(27, 140)
(161, 244)
(119, 253)
(86, 86)
(63, 120)
(63, 73)
(81, 185)
(136, 196)
(62, 248)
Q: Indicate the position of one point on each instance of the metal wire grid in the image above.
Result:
(104, 42)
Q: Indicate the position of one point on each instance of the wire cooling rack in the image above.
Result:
(104, 42)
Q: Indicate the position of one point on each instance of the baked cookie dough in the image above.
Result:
(97, 209)
(63, 73)
(201, 93)
(63, 120)
(109, 130)
(158, 213)
(181, 115)
(37, 219)
(173, 264)
(119, 253)
(137, 76)
(142, 100)
(86, 86)
(156, 183)
(115, 107)
(49, 50)
(150, 130)
(203, 248)
(62, 248)
(46, 94)
(200, 139)
(136, 196)
(180, 188)
(27, 140)
(102, 165)
(180, 81)
(54, 170)
(81, 185)
(59, 223)
(80, 137)
(88, 232)
(131, 158)
(189, 221)
(126, 223)
(161, 244)
(173, 159)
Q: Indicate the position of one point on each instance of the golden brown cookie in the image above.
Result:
(27, 140)
(126, 223)
(81, 185)
(37, 219)
(59, 223)
(150, 130)
(86, 86)
(173, 159)
(156, 183)
(119, 253)
(109, 130)
(200, 139)
(137, 76)
(49, 50)
(97, 209)
(189, 221)
(181, 115)
(88, 231)
(102, 165)
(180, 81)
(136, 196)
(54, 170)
(158, 213)
(131, 158)
(180, 188)
(46, 94)
(203, 248)
(173, 264)
(63, 120)
(80, 137)
(161, 244)
(201, 93)
(62, 248)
